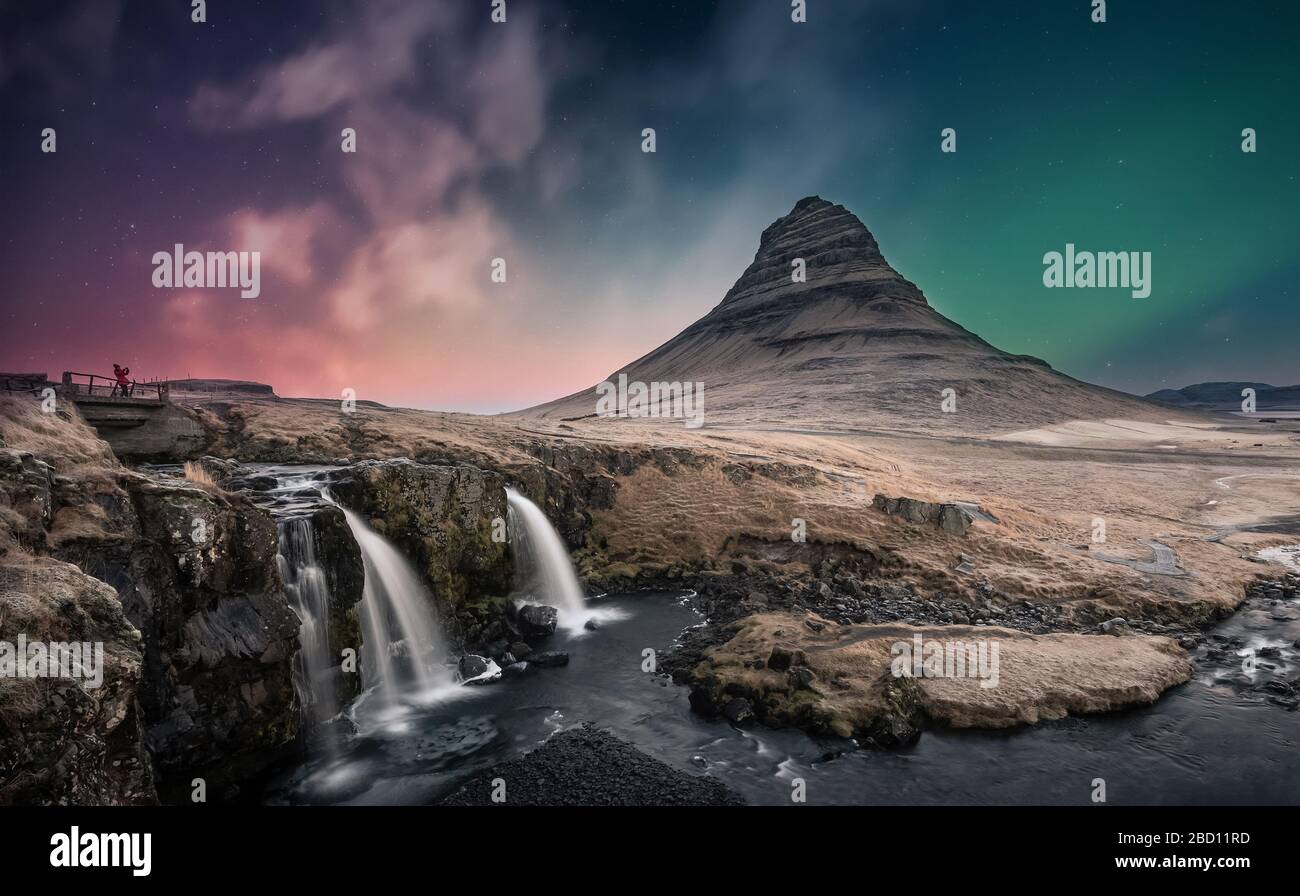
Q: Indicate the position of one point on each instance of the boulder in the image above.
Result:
(1116, 626)
(738, 711)
(472, 666)
(800, 678)
(549, 659)
(951, 518)
(537, 620)
(518, 670)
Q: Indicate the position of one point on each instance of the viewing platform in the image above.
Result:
(138, 420)
(91, 388)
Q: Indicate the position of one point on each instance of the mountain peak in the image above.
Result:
(813, 219)
(843, 341)
(837, 251)
(811, 202)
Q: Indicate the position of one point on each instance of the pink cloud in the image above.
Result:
(406, 162)
(286, 239)
(444, 262)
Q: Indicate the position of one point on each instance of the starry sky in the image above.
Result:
(522, 140)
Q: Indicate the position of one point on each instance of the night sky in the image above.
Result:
(522, 141)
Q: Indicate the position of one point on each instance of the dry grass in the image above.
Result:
(61, 439)
(1044, 496)
(199, 475)
(1039, 676)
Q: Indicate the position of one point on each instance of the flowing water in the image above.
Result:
(293, 498)
(401, 642)
(1221, 738)
(403, 658)
(1208, 741)
(543, 567)
(308, 592)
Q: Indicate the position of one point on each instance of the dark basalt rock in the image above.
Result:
(195, 571)
(65, 740)
(549, 659)
(192, 576)
(440, 516)
(781, 658)
(738, 710)
(588, 767)
(537, 621)
(219, 634)
(801, 678)
(471, 666)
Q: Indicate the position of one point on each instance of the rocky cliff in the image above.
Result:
(66, 740)
(191, 597)
(441, 517)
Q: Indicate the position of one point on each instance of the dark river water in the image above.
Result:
(1210, 741)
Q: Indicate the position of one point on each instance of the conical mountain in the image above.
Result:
(851, 345)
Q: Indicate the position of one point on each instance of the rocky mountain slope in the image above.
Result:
(855, 346)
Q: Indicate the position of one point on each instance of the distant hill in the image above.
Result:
(1226, 396)
(232, 387)
(855, 346)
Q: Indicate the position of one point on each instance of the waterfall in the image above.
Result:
(401, 644)
(308, 592)
(540, 554)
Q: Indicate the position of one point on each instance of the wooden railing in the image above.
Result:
(91, 385)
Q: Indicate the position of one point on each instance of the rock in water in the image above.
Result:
(738, 711)
(549, 659)
(537, 620)
(472, 666)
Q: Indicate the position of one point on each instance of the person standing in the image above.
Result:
(123, 376)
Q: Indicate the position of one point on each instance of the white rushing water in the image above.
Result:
(308, 592)
(1287, 555)
(401, 642)
(541, 558)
